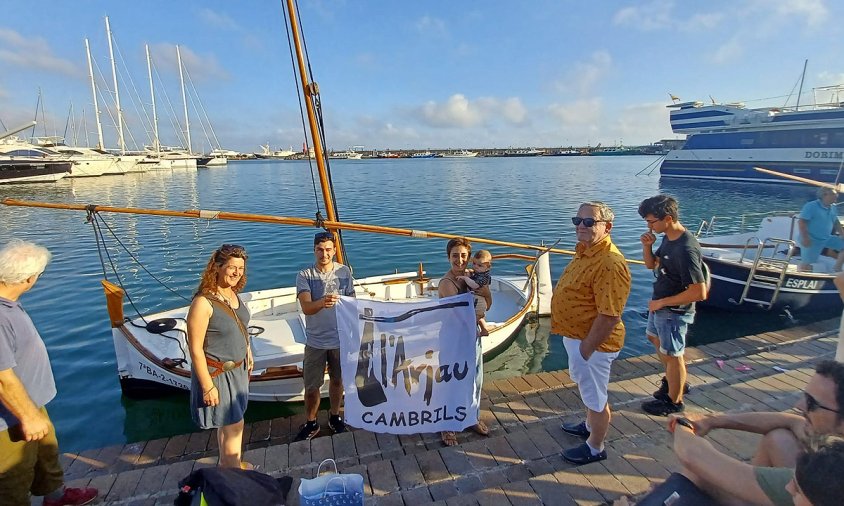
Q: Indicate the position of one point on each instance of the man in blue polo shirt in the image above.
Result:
(819, 228)
(29, 451)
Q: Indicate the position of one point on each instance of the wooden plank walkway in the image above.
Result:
(520, 462)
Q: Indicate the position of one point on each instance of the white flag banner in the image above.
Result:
(410, 367)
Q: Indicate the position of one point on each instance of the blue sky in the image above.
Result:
(434, 74)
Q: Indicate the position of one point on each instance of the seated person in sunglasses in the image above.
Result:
(785, 437)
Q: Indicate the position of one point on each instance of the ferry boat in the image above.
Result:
(726, 141)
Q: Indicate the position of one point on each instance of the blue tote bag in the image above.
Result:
(331, 489)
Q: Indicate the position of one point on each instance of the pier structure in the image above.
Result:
(520, 463)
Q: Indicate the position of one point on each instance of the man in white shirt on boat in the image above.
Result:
(318, 288)
(819, 229)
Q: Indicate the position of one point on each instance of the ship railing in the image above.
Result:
(746, 222)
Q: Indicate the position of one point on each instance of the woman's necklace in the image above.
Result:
(225, 298)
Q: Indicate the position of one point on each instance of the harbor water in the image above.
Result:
(526, 200)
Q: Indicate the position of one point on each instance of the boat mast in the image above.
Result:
(100, 143)
(156, 145)
(184, 100)
(120, 138)
(311, 91)
(802, 77)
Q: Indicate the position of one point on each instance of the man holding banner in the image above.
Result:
(411, 367)
(318, 288)
(586, 310)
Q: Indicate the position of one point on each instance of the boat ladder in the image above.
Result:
(769, 268)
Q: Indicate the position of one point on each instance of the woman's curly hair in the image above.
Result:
(221, 255)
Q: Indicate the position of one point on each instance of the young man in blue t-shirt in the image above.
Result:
(318, 288)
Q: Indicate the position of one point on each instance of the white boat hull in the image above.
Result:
(145, 359)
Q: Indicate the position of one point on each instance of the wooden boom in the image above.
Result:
(282, 220)
(838, 187)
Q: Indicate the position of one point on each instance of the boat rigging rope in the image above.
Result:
(317, 104)
(97, 223)
(652, 164)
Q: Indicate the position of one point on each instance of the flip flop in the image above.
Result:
(449, 438)
(481, 428)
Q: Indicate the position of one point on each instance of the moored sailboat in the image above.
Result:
(150, 349)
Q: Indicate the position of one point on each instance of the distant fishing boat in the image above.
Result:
(463, 153)
(345, 155)
(523, 152)
(425, 154)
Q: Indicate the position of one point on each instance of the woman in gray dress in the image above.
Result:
(220, 353)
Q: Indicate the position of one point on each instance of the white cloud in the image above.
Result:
(729, 51)
(430, 26)
(34, 53)
(218, 20)
(814, 12)
(827, 78)
(200, 66)
(652, 16)
(659, 15)
(585, 75)
(579, 112)
(460, 112)
(639, 122)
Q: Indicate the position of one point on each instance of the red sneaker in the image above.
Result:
(73, 497)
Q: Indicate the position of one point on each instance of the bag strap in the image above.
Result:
(234, 315)
(338, 477)
(319, 469)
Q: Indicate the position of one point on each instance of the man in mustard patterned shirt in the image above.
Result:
(586, 310)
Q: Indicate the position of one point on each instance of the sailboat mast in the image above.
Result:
(120, 138)
(184, 100)
(802, 78)
(100, 143)
(155, 143)
(311, 90)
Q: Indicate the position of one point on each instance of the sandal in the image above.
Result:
(449, 438)
(481, 428)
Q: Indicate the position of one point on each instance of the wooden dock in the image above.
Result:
(520, 462)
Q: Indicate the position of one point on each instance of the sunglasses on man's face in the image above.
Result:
(587, 222)
(812, 404)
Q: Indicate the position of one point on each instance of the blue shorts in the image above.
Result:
(809, 255)
(671, 329)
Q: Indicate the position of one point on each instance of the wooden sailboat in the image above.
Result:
(151, 350)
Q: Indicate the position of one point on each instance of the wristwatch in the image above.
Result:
(685, 422)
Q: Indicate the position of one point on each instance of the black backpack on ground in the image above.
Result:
(221, 486)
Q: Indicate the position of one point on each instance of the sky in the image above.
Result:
(437, 74)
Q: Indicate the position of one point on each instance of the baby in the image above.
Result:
(479, 277)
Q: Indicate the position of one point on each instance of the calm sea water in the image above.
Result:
(516, 199)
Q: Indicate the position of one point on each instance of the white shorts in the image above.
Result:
(592, 376)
